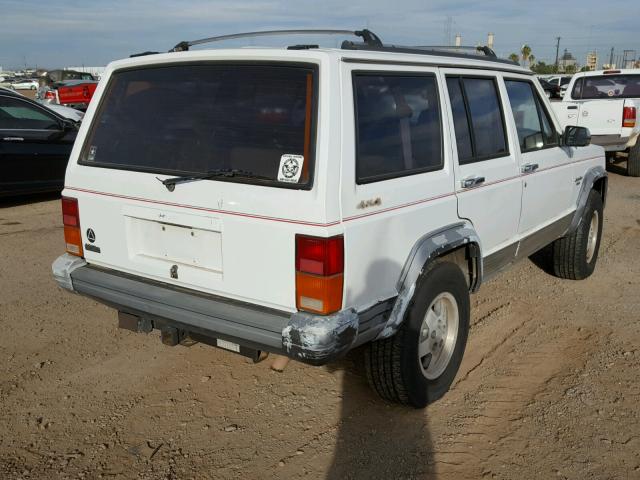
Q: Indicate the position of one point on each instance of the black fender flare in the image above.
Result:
(590, 177)
(425, 251)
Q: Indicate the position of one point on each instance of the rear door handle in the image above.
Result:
(13, 139)
(472, 182)
(572, 107)
(530, 167)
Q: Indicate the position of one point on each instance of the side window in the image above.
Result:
(16, 114)
(478, 119)
(576, 93)
(460, 121)
(532, 122)
(399, 129)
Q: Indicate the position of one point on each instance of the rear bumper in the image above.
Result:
(614, 143)
(313, 339)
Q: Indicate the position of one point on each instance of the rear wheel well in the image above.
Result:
(466, 257)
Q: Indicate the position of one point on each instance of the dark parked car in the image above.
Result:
(549, 90)
(35, 144)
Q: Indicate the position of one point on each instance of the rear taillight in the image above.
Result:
(319, 273)
(50, 95)
(71, 221)
(629, 117)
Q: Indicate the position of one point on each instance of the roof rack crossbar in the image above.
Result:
(452, 51)
(460, 48)
(370, 38)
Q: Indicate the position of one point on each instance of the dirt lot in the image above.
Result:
(548, 388)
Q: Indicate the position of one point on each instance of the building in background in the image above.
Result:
(567, 62)
(592, 60)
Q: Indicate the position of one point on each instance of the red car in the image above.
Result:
(74, 93)
(67, 87)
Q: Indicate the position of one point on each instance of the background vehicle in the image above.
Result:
(547, 87)
(25, 85)
(224, 200)
(557, 82)
(66, 112)
(35, 143)
(607, 103)
(74, 93)
(67, 87)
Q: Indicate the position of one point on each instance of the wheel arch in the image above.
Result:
(458, 243)
(595, 178)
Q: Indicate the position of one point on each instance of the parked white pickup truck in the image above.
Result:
(606, 102)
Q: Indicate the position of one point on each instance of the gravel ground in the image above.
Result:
(548, 387)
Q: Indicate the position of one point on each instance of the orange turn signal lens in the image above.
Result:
(319, 294)
(73, 240)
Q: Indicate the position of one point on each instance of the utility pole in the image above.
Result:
(611, 59)
(447, 30)
(557, 52)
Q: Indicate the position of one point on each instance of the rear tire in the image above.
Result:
(574, 256)
(418, 364)
(633, 160)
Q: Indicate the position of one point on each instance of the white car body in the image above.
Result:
(67, 112)
(602, 116)
(237, 241)
(25, 85)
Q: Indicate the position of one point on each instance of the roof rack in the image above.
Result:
(477, 53)
(370, 38)
(371, 42)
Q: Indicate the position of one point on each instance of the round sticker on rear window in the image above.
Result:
(290, 168)
(92, 153)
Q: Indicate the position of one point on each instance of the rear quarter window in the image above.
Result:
(194, 119)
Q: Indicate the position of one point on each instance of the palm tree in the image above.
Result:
(532, 60)
(526, 52)
(514, 57)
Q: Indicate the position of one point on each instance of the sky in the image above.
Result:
(62, 33)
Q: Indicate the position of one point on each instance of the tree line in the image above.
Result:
(526, 58)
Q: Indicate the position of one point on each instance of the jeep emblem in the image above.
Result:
(173, 271)
(91, 235)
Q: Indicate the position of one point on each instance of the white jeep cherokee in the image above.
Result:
(308, 201)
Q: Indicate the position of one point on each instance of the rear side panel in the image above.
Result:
(235, 240)
(385, 217)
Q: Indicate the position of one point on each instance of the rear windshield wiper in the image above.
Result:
(171, 183)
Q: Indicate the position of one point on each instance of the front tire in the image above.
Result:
(574, 256)
(418, 364)
(633, 160)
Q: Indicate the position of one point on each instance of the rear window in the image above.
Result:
(607, 86)
(255, 120)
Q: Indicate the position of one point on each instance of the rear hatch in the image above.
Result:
(251, 126)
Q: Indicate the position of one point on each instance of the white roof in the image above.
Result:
(612, 71)
(317, 55)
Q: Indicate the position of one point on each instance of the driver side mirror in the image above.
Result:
(576, 136)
